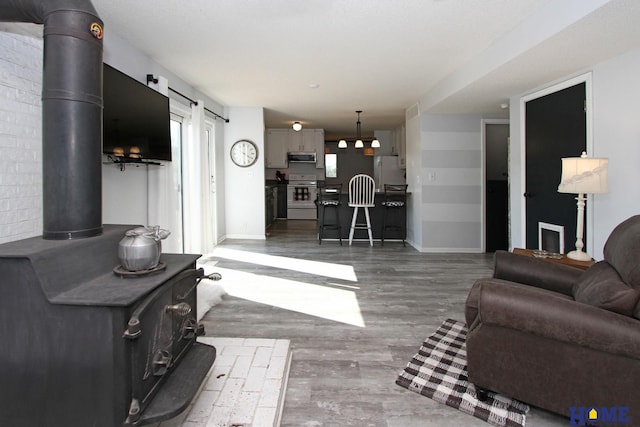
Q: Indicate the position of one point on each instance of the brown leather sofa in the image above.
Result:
(556, 337)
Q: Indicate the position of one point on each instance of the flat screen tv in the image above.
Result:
(136, 119)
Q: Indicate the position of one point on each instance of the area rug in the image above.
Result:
(439, 371)
(209, 294)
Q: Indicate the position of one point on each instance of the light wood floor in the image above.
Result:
(343, 371)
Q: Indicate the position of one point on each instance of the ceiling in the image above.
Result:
(379, 56)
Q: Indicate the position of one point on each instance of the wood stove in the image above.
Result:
(83, 346)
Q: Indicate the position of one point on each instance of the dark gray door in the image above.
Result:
(496, 187)
(556, 127)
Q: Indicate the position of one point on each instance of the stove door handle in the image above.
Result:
(161, 362)
(181, 309)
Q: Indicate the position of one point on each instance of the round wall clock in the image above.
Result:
(244, 153)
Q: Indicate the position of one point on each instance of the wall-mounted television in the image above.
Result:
(136, 119)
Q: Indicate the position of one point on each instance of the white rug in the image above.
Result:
(210, 293)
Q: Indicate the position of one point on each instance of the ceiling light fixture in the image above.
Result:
(297, 126)
(359, 142)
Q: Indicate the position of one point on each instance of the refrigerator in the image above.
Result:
(386, 170)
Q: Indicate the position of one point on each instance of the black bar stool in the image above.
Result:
(395, 210)
(329, 198)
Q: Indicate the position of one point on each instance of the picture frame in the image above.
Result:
(551, 237)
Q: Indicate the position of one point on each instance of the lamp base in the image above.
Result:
(579, 256)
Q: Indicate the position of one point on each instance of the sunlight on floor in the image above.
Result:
(336, 271)
(326, 302)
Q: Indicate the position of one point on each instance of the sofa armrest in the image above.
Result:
(557, 318)
(535, 272)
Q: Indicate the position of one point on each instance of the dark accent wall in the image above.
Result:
(351, 161)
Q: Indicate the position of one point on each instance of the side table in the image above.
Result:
(564, 260)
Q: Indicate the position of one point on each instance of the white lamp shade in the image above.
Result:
(584, 175)
(359, 144)
(342, 144)
(297, 126)
(375, 143)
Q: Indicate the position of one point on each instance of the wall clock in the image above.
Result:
(244, 153)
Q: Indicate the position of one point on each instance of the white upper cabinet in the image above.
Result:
(313, 141)
(295, 141)
(276, 148)
(281, 141)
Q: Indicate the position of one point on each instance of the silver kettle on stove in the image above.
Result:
(140, 248)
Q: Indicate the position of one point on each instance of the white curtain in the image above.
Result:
(192, 181)
(208, 193)
(163, 194)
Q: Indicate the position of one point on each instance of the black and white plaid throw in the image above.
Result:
(439, 371)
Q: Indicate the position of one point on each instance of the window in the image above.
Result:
(331, 165)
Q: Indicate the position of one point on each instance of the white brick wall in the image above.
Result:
(20, 137)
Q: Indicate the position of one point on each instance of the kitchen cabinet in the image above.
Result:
(309, 141)
(295, 140)
(314, 139)
(270, 195)
(282, 201)
(306, 140)
(281, 141)
(276, 148)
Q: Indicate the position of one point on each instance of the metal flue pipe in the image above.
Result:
(71, 113)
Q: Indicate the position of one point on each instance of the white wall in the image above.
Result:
(20, 136)
(126, 195)
(140, 184)
(616, 135)
(244, 187)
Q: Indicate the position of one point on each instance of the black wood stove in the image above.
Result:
(79, 345)
(83, 346)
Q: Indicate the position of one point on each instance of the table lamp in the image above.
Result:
(582, 175)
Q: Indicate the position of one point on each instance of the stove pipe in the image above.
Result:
(71, 113)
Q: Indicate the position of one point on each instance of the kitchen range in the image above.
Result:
(301, 197)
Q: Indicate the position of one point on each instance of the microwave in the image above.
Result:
(301, 157)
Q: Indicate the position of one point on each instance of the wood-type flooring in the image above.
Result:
(355, 316)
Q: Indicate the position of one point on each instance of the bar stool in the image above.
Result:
(361, 195)
(329, 198)
(395, 202)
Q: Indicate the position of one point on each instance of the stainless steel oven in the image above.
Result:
(301, 197)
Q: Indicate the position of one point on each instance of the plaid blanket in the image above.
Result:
(439, 371)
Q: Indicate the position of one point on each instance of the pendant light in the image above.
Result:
(359, 143)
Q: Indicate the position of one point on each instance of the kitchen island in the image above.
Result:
(376, 214)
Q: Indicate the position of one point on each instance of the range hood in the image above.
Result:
(301, 157)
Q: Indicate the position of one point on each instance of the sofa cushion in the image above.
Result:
(622, 250)
(601, 286)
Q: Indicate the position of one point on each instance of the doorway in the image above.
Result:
(496, 149)
(555, 127)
